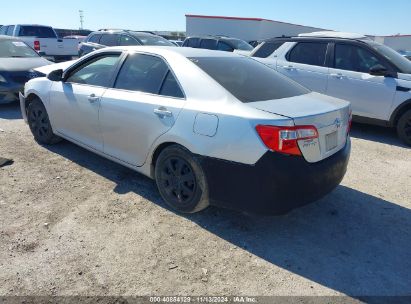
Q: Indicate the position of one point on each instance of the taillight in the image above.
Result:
(36, 45)
(285, 139)
(349, 122)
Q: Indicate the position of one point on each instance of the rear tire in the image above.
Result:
(181, 180)
(39, 123)
(404, 128)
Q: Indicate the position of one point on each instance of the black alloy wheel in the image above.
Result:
(181, 180)
(39, 123)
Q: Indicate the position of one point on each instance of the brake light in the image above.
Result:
(36, 45)
(285, 139)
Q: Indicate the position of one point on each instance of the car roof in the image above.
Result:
(117, 31)
(172, 50)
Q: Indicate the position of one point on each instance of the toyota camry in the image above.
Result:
(211, 128)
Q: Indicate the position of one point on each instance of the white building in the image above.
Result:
(396, 42)
(243, 28)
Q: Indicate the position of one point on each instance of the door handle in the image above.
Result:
(93, 98)
(288, 67)
(163, 112)
(338, 76)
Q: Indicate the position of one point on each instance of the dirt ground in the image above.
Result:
(73, 223)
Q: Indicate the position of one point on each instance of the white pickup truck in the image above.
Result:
(44, 40)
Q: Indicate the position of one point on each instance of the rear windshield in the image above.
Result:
(153, 40)
(37, 31)
(15, 49)
(247, 79)
(241, 45)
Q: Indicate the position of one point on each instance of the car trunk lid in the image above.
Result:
(329, 115)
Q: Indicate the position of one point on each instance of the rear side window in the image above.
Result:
(170, 87)
(209, 44)
(312, 53)
(10, 30)
(37, 31)
(267, 48)
(95, 38)
(353, 58)
(97, 71)
(109, 39)
(247, 79)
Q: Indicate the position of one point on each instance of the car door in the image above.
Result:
(143, 104)
(305, 63)
(349, 79)
(75, 102)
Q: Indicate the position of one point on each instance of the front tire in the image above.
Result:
(404, 127)
(181, 180)
(39, 123)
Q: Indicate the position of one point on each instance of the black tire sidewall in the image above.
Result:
(200, 198)
(50, 138)
(401, 125)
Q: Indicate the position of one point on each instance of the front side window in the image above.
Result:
(266, 49)
(97, 72)
(95, 38)
(312, 53)
(222, 46)
(153, 40)
(241, 45)
(209, 44)
(353, 58)
(127, 40)
(149, 74)
(109, 40)
(247, 79)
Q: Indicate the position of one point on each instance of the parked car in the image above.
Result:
(17, 61)
(210, 127)
(373, 77)
(105, 38)
(44, 40)
(177, 42)
(219, 43)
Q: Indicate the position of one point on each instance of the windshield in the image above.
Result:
(16, 49)
(241, 45)
(37, 31)
(247, 79)
(153, 40)
(403, 64)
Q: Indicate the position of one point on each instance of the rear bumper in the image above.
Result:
(276, 184)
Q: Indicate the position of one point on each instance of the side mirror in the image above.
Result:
(379, 70)
(56, 75)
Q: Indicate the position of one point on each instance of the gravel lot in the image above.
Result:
(73, 223)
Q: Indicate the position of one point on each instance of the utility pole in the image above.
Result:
(81, 13)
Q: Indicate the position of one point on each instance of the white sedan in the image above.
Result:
(210, 127)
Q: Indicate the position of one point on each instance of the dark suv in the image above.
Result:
(105, 38)
(217, 43)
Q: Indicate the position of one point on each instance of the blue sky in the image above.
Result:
(379, 17)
